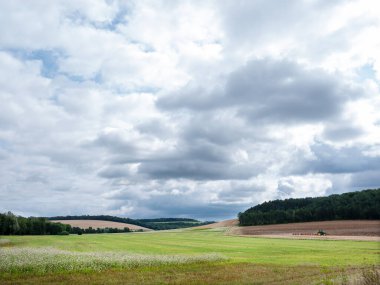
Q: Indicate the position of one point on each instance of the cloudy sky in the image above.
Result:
(185, 108)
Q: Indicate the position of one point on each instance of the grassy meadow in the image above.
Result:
(180, 257)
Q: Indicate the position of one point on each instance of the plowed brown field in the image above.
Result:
(84, 224)
(339, 228)
(345, 230)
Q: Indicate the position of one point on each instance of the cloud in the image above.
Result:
(197, 109)
(341, 132)
(366, 179)
(272, 91)
(306, 186)
(330, 159)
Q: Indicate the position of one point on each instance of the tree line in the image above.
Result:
(348, 206)
(91, 230)
(11, 224)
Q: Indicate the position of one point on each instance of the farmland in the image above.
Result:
(84, 224)
(339, 230)
(168, 257)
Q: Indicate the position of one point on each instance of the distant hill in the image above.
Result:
(364, 205)
(85, 224)
(100, 218)
(172, 223)
(155, 224)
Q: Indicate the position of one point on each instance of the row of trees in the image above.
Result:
(348, 206)
(90, 230)
(11, 224)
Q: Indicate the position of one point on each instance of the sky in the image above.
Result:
(196, 109)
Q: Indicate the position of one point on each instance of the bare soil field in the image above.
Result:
(327, 237)
(342, 230)
(368, 230)
(338, 228)
(84, 224)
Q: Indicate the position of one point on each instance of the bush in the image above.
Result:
(64, 233)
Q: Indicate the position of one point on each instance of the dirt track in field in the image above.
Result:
(84, 224)
(344, 230)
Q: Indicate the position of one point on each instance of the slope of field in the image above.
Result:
(84, 224)
(338, 228)
(154, 256)
(226, 223)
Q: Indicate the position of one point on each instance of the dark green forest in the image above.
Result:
(348, 206)
(11, 224)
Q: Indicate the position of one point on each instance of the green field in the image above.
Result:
(209, 256)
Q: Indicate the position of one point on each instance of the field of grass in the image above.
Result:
(168, 257)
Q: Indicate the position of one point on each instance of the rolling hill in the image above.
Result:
(84, 224)
(98, 218)
(154, 224)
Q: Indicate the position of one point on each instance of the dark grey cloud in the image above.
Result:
(366, 179)
(204, 212)
(331, 159)
(342, 132)
(192, 158)
(115, 142)
(113, 171)
(222, 128)
(192, 168)
(271, 91)
(287, 92)
(155, 128)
